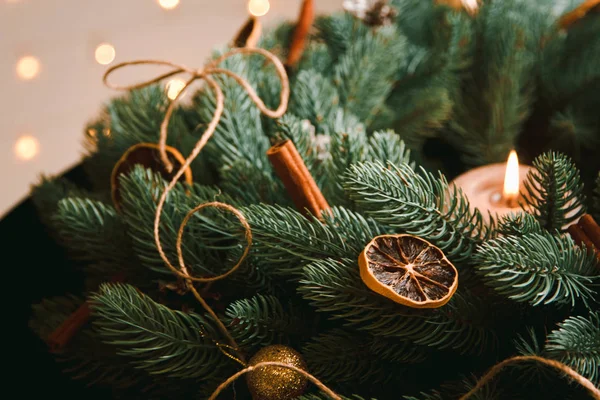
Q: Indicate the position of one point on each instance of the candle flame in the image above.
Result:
(511, 178)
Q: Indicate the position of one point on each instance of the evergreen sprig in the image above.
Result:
(417, 203)
(576, 343)
(554, 191)
(538, 268)
(365, 73)
(287, 240)
(260, 321)
(95, 233)
(154, 337)
(338, 356)
(519, 223)
(84, 358)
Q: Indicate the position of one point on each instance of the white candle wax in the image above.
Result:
(483, 187)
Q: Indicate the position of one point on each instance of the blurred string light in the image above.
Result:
(258, 8)
(168, 4)
(28, 67)
(174, 86)
(27, 147)
(105, 53)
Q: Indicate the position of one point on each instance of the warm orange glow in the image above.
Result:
(258, 8)
(27, 147)
(28, 67)
(511, 178)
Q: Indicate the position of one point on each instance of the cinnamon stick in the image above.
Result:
(571, 17)
(249, 34)
(305, 20)
(586, 232)
(61, 336)
(296, 178)
(591, 229)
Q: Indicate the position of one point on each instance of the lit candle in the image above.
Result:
(494, 188)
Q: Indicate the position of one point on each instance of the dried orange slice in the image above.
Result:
(147, 155)
(408, 270)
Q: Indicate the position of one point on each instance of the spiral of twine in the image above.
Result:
(206, 74)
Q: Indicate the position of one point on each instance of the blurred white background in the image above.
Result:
(43, 111)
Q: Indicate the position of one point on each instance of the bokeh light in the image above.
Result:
(105, 53)
(27, 147)
(258, 8)
(28, 67)
(168, 4)
(174, 87)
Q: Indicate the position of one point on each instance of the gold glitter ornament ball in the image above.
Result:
(276, 383)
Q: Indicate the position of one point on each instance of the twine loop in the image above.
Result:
(206, 74)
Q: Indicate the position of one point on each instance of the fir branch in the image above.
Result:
(396, 351)
(317, 57)
(419, 204)
(85, 358)
(286, 240)
(419, 112)
(554, 191)
(94, 232)
(154, 337)
(314, 98)
(338, 356)
(205, 242)
(335, 287)
(365, 73)
(576, 343)
(260, 321)
(387, 146)
(497, 96)
(346, 148)
(568, 62)
(48, 191)
(520, 223)
(572, 131)
(538, 268)
(338, 31)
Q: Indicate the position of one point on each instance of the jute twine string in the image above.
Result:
(310, 377)
(205, 74)
(594, 392)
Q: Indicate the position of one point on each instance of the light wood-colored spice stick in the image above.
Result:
(571, 17)
(249, 34)
(305, 20)
(296, 178)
